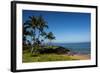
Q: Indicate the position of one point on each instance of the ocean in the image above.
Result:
(79, 48)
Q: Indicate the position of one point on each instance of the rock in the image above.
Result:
(58, 50)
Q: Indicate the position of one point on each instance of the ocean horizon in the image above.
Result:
(79, 48)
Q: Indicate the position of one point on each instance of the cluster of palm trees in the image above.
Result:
(35, 28)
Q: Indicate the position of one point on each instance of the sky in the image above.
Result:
(68, 27)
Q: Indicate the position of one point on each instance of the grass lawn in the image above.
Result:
(27, 57)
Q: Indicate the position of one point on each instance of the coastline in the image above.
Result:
(80, 56)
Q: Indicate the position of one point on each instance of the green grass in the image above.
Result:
(27, 57)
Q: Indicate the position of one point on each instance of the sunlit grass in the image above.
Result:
(27, 57)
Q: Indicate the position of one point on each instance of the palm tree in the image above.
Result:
(31, 24)
(41, 25)
(35, 23)
(44, 35)
(50, 36)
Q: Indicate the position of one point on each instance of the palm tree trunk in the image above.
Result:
(32, 49)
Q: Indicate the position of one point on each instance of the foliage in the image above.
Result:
(35, 28)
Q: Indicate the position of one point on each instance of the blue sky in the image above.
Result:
(67, 27)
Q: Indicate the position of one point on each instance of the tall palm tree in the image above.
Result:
(35, 23)
(31, 23)
(42, 24)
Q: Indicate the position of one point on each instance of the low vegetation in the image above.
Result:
(51, 53)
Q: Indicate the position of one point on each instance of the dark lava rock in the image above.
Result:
(58, 50)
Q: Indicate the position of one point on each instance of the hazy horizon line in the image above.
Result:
(69, 42)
